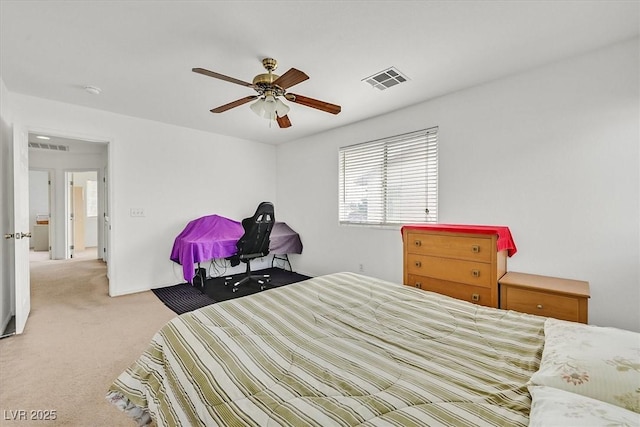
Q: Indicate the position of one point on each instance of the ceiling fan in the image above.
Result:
(270, 88)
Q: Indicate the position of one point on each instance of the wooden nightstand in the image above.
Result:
(562, 299)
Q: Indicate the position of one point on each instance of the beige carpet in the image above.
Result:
(76, 342)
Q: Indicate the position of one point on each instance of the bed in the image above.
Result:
(342, 349)
(350, 350)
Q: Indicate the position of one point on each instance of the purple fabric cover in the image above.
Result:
(215, 236)
(284, 240)
(203, 239)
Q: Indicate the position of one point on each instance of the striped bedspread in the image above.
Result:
(336, 350)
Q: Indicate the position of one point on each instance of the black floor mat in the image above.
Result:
(184, 297)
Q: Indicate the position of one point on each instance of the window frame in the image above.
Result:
(369, 165)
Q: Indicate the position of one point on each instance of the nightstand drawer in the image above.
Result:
(475, 294)
(469, 272)
(564, 299)
(447, 246)
(542, 304)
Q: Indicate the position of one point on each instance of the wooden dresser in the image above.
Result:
(463, 262)
(562, 299)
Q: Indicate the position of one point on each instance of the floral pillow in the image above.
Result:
(602, 363)
(554, 407)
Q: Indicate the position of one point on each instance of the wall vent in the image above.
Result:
(386, 79)
(46, 146)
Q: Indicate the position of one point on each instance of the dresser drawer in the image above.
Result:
(475, 294)
(469, 272)
(561, 307)
(470, 248)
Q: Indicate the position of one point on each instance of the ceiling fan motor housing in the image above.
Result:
(264, 82)
(265, 79)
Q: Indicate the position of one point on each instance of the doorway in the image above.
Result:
(56, 154)
(77, 192)
(40, 213)
(81, 215)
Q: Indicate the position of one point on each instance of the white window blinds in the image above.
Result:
(390, 181)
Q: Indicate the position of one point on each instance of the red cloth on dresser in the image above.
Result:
(505, 240)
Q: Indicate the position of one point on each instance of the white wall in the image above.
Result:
(7, 288)
(552, 153)
(175, 174)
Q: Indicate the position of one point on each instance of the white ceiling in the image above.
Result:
(140, 53)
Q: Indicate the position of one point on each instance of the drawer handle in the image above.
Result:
(475, 273)
(418, 264)
(418, 243)
(475, 249)
(539, 306)
(418, 285)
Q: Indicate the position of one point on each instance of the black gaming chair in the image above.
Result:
(255, 242)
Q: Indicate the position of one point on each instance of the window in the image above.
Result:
(390, 181)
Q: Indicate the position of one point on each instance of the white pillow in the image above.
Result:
(602, 363)
(554, 407)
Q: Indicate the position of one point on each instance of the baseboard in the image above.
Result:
(5, 323)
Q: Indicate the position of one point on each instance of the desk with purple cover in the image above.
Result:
(215, 236)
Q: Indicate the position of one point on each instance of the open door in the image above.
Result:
(20, 227)
(79, 218)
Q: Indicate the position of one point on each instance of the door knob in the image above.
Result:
(9, 236)
(23, 235)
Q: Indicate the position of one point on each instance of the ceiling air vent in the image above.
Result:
(385, 79)
(46, 146)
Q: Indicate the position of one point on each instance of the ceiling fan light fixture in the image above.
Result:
(281, 108)
(269, 107)
(258, 107)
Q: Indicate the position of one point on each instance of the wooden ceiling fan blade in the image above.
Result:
(283, 121)
(290, 78)
(234, 104)
(314, 103)
(221, 77)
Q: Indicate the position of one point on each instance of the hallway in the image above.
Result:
(41, 258)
